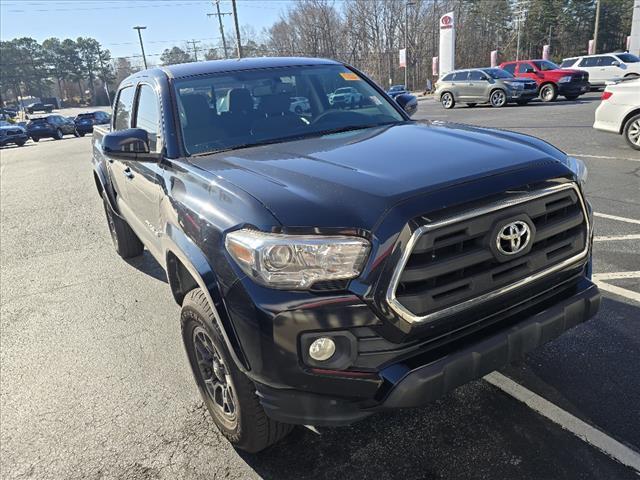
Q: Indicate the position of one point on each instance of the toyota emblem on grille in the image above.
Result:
(513, 237)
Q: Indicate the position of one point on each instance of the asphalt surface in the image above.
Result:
(95, 383)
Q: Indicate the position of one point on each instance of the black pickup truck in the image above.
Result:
(339, 261)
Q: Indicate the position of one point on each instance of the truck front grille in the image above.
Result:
(454, 263)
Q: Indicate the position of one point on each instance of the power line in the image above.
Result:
(195, 49)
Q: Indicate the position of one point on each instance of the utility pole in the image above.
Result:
(195, 49)
(144, 58)
(406, 43)
(235, 20)
(219, 15)
(595, 28)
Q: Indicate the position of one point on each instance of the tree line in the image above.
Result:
(79, 71)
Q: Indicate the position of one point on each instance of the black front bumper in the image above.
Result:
(421, 379)
(573, 88)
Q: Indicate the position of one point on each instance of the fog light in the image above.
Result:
(322, 349)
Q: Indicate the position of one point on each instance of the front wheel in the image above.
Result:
(632, 132)
(58, 135)
(125, 241)
(447, 100)
(498, 98)
(548, 92)
(35, 139)
(228, 394)
(20, 144)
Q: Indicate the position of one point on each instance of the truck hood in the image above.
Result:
(351, 179)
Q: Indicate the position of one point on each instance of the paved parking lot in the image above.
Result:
(95, 383)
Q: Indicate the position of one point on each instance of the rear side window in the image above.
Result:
(448, 78)
(588, 62)
(568, 62)
(148, 115)
(605, 61)
(124, 106)
(510, 67)
(526, 68)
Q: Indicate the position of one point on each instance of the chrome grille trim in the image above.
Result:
(411, 318)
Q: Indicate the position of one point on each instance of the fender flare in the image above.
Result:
(176, 243)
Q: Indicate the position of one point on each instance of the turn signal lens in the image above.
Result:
(606, 95)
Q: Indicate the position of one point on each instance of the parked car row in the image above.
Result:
(518, 81)
(51, 126)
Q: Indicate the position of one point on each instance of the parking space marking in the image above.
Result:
(613, 238)
(579, 428)
(622, 292)
(603, 157)
(615, 275)
(615, 217)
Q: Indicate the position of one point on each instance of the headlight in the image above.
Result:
(579, 168)
(565, 79)
(296, 261)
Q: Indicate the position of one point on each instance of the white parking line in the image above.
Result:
(614, 217)
(603, 157)
(582, 430)
(615, 275)
(613, 238)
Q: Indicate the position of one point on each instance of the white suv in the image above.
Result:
(605, 67)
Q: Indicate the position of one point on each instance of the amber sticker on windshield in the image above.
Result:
(350, 76)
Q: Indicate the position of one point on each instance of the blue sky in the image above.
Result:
(168, 22)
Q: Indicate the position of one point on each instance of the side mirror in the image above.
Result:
(408, 102)
(615, 63)
(129, 144)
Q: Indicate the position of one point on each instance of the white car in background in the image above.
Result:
(619, 111)
(605, 67)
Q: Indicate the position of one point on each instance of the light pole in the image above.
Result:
(595, 27)
(406, 43)
(144, 58)
(235, 20)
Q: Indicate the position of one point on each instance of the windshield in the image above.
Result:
(86, 115)
(544, 65)
(245, 108)
(628, 57)
(497, 73)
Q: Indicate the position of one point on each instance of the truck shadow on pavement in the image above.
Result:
(145, 263)
(476, 431)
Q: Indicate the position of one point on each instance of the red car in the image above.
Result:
(551, 79)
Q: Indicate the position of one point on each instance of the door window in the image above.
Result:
(476, 75)
(588, 62)
(526, 68)
(123, 109)
(148, 115)
(606, 61)
(510, 67)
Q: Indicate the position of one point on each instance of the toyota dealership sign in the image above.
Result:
(447, 43)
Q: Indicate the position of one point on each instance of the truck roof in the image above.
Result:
(215, 66)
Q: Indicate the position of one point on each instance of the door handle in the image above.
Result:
(128, 173)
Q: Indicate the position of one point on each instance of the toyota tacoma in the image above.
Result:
(345, 260)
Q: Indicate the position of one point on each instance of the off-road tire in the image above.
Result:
(125, 241)
(253, 430)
